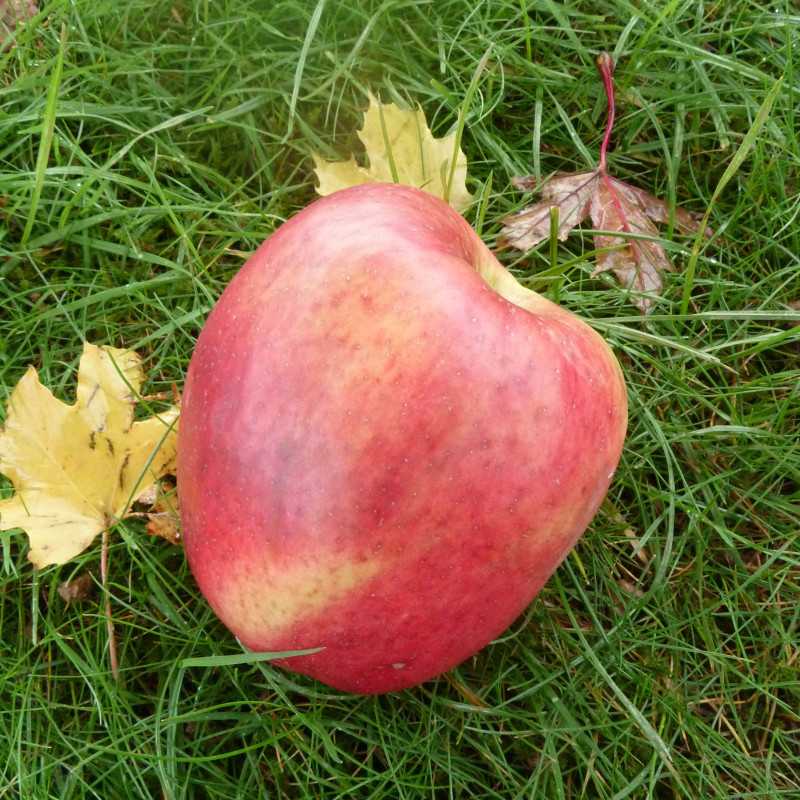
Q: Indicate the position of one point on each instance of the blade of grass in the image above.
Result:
(46, 136)
(736, 162)
(244, 658)
(311, 31)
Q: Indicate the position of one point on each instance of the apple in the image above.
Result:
(387, 444)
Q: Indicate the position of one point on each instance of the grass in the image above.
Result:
(147, 147)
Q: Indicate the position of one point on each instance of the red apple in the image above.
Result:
(387, 445)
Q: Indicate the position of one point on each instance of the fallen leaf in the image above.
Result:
(77, 468)
(77, 589)
(636, 257)
(613, 205)
(400, 148)
(163, 520)
(165, 526)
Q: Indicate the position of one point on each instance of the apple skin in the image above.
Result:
(379, 454)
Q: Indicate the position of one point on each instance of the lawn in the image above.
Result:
(147, 147)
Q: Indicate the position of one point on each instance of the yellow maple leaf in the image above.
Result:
(76, 468)
(400, 148)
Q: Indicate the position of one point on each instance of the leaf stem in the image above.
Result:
(605, 66)
(112, 639)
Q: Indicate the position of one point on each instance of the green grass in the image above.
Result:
(146, 147)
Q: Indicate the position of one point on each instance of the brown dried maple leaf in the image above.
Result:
(163, 519)
(77, 589)
(636, 257)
